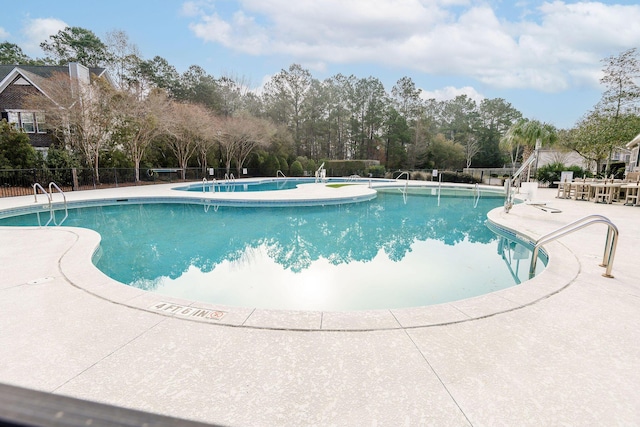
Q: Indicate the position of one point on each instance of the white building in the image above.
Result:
(634, 160)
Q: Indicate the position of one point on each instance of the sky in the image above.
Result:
(543, 57)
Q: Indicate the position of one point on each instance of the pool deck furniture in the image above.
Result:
(559, 349)
(631, 193)
(606, 192)
(599, 191)
(565, 189)
(581, 190)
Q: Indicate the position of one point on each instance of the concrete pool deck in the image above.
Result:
(560, 349)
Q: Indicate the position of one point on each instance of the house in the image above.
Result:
(566, 157)
(19, 81)
(634, 159)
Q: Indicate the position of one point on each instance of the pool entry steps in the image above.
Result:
(609, 248)
(52, 214)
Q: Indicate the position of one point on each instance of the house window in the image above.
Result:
(633, 164)
(14, 119)
(27, 121)
(41, 125)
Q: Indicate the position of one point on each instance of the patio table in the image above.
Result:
(565, 190)
(631, 193)
(581, 190)
(606, 192)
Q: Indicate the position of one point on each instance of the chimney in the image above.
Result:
(80, 72)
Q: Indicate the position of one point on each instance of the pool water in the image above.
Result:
(390, 252)
(243, 186)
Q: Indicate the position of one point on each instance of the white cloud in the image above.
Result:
(240, 34)
(191, 9)
(451, 92)
(194, 8)
(3, 33)
(551, 48)
(37, 31)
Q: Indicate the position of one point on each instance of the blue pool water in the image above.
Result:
(389, 252)
(258, 185)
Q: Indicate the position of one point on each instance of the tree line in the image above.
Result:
(156, 116)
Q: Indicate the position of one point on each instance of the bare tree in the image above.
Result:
(259, 133)
(239, 136)
(79, 112)
(471, 148)
(139, 121)
(208, 140)
(187, 127)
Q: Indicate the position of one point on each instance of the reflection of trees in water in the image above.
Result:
(292, 237)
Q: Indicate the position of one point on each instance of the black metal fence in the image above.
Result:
(19, 182)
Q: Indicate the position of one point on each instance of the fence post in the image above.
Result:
(74, 174)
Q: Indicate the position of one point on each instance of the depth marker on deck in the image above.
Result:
(190, 312)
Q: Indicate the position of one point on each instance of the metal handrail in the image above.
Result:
(609, 249)
(208, 205)
(35, 196)
(503, 250)
(35, 192)
(53, 185)
(439, 187)
(279, 173)
(406, 185)
(476, 195)
(508, 198)
(319, 173)
(402, 174)
(204, 184)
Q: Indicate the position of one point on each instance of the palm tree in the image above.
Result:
(530, 134)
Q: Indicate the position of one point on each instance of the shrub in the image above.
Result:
(284, 166)
(376, 171)
(270, 166)
(296, 169)
(60, 162)
(419, 176)
(552, 172)
(457, 177)
(344, 167)
(115, 159)
(15, 150)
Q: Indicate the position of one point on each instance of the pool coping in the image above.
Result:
(77, 267)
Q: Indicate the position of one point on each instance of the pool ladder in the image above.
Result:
(205, 185)
(476, 195)
(609, 249)
(229, 181)
(406, 185)
(52, 214)
(321, 174)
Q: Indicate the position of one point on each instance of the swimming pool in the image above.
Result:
(265, 184)
(398, 250)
